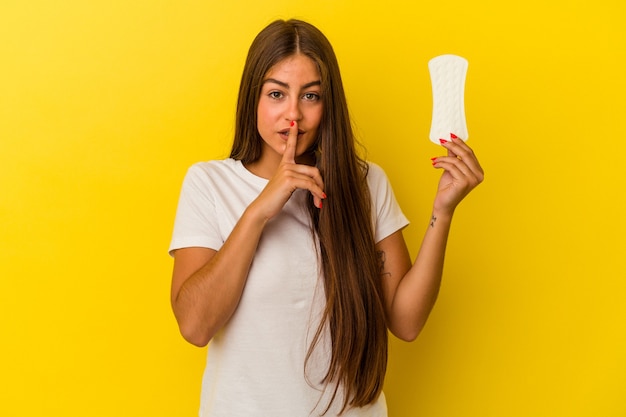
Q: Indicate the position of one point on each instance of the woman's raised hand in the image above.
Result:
(288, 178)
(462, 173)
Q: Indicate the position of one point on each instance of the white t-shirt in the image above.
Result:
(256, 363)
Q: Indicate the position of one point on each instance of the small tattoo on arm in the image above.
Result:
(381, 262)
(433, 219)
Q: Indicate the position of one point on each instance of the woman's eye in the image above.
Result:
(275, 94)
(311, 96)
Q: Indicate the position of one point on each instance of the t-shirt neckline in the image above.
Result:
(244, 172)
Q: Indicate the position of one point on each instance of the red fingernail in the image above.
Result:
(442, 141)
(320, 203)
(453, 136)
(433, 159)
(293, 122)
(323, 195)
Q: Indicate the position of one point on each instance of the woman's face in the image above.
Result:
(291, 91)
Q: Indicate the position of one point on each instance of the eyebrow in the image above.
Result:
(285, 85)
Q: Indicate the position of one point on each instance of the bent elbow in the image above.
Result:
(406, 333)
(196, 335)
(199, 343)
(407, 336)
(195, 338)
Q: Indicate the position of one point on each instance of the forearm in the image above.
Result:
(207, 298)
(417, 292)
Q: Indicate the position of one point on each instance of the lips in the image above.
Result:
(285, 133)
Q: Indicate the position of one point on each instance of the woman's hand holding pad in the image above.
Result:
(462, 173)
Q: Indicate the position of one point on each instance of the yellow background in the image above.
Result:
(105, 103)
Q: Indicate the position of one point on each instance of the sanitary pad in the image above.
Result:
(447, 75)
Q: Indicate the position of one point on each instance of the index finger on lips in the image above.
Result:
(289, 155)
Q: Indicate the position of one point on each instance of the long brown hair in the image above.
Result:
(354, 312)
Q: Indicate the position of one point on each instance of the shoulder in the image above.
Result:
(213, 166)
(376, 176)
(203, 178)
(375, 170)
(386, 212)
(216, 169)
(223, 179)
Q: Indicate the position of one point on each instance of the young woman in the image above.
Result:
(289, 255)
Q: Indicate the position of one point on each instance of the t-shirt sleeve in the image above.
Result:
(386, 212)
(196, 224)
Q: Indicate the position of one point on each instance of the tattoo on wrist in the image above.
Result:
(433, 219)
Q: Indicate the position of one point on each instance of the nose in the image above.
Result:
(293, 110)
